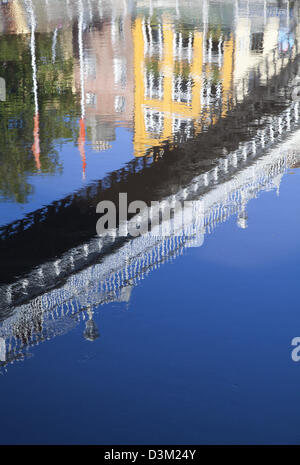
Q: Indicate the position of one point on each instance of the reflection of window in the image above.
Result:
(119, 65)
(90, 65)
(211, 92)
(285, 40)
(182, 129)
(91, 99)
(182, 89)
(183, 45)
(153, 38)
(257, 41)
(153, 85)
(214, 50)
(242, 44)
(14, 123)
(121, 28)
(214, 45)
(120, 103)
(117, 30)
(154, 122)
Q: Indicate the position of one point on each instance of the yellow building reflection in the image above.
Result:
(183, 79)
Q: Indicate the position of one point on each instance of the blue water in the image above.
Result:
(47, 188)
(201, 350)
(201, 355)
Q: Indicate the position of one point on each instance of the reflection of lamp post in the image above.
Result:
(91, 332)
(36, 144)
(36, 127)
(81, 139)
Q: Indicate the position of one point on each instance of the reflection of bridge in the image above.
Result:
(187, 76)
(71, 221)
(69, 272)
(105, 270)
(113, 278)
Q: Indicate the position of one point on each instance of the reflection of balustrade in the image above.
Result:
(108, 282)
(59, 310)
(121, 270)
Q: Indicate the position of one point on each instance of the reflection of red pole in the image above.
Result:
(81, 140)
(36, 143)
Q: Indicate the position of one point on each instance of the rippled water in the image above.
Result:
(182, 337)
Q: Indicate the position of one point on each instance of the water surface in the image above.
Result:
(182, 338)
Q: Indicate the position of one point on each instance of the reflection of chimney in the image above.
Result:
(277, 181)
(2, 350)
(91, 332)
(197, 240)
(125, 294)
(242, 221)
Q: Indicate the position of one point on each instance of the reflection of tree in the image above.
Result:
(56, 100)
(182, 69)
(152, 66)
(215, 32)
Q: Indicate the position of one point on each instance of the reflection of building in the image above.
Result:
(188, 75)
(108, 80)
(180, 74)
(170, 76)
(264, 32)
